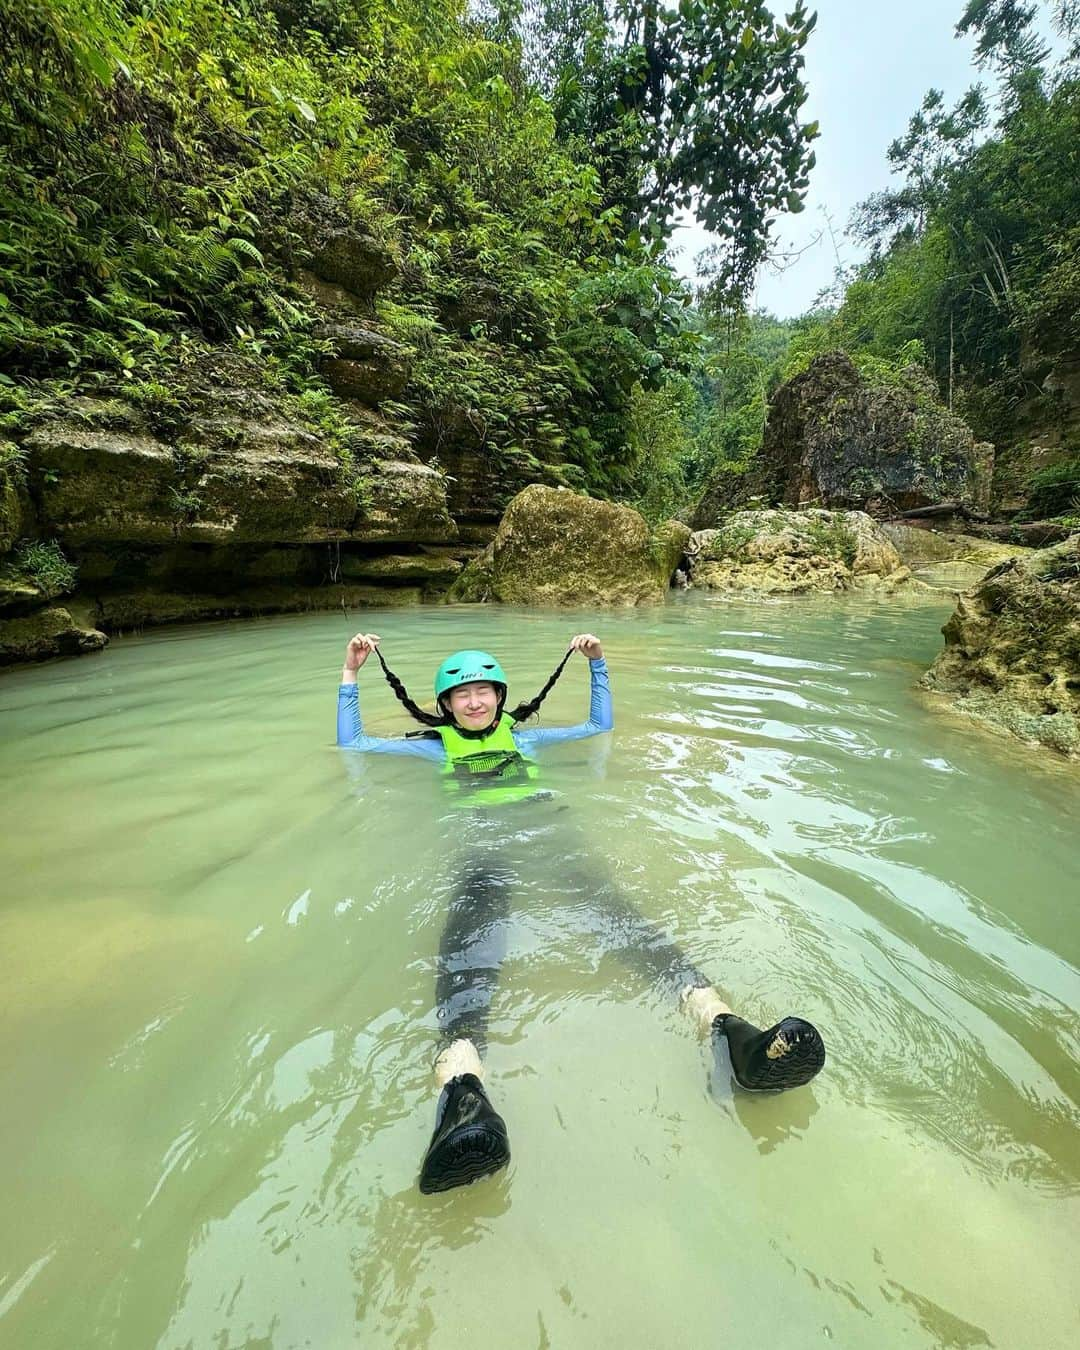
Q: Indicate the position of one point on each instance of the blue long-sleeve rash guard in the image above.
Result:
(351, 735)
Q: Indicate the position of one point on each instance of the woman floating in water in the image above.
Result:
(487, 756)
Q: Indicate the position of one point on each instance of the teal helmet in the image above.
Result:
(468, 668)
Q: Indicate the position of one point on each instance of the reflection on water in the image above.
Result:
(217, 1024)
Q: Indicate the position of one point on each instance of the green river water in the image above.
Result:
(217, 938)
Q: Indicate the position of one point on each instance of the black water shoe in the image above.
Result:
(470, 1139)
(786, 1056)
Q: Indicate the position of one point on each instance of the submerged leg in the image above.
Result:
(788, 1055)
(470, 1139)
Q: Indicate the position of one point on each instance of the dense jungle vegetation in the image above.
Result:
(974, 260)
(523, 164)
(522, 168)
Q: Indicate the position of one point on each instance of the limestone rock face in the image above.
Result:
(240, 473)
(554, 547)
(224, 500)
(394, 567)
(341, 252)
(834, 440)
(794, 552)
(10, 511)
(101, 484)
(368, 366)
(1012, 648)
(49, 632)
(404, 502)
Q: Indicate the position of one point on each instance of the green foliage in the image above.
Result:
(158, 159)
(43, 563)
(13, 459)
(659, 445)
(744, 358)
(690, 107)
(1054, 491)
(977, 255)
(184, 503)
(731, 540)
(834, 539)
(1004, 32)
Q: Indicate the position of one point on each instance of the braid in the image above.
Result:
(524, 710)
(428, 719)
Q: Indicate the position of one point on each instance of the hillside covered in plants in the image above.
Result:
(419, 234)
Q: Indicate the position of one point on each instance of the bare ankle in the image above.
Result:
(702, 1005)
(460, 1056)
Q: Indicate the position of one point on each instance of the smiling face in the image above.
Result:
(473, 706)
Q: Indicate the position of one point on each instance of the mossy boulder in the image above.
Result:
(836, 439)
(554, 547)
(1012, 648)
(776, 552)
(366, 365)
(355, 260)
(47, 633)
(671, 541)
(341, 251)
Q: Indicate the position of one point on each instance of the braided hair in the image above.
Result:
(443, 717)
(529, 709)
(413, 708)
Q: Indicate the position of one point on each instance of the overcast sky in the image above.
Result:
(868, 65)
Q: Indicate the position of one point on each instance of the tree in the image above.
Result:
(690, 107)
(1004, 31)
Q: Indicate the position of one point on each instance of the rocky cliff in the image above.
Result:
(834, 439)
(221, 493)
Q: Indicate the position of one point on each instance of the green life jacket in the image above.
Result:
(484, 770)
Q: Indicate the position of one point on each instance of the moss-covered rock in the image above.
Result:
(142, 609)
(10, 511)
(794, 553)
(554, 547)
(241, 473)
(340, 251)
(366, 365)
(32, 574)
(671, 541)
(1012, 648)
(833, 439)
(475, 584)
(18, 595)
(392, 568)
(94, 484)
(47, 633)
(403, 502)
